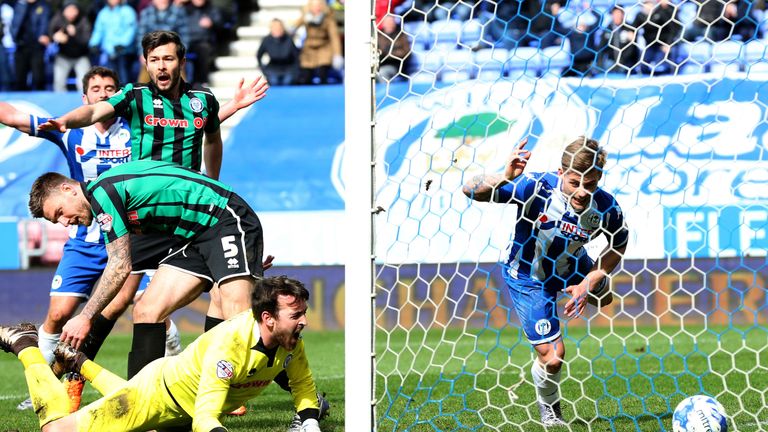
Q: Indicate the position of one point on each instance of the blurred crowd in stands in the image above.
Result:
(583, 38)
(50, 44)
(55, 42)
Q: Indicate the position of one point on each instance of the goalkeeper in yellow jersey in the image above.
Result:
(224, 367)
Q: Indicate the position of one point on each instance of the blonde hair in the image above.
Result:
(584, 155)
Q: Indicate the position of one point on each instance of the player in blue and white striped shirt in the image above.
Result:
(557, 215)
(89, 152)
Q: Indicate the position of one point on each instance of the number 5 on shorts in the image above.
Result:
(229, 246)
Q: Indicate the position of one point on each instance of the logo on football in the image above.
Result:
(699, 414)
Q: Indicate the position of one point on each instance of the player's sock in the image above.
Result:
(211, 322)
(148, 344)
(49, 398)
(101, 379)
(172, 340)
(98, 334)
(47, 343)
(547, 384)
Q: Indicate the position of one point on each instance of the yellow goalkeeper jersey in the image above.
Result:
(228, 365)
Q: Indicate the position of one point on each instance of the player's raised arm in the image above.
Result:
(116, 272)
(244, 97)
(14, 118)
(80, 117)
(481, 187)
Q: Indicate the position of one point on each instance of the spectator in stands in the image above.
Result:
(437, 10)
(548, 26)
(283, 55)
(322, 47)
(717, 20)
(583, 47)
(161, 15)
(71, 31)
(618, 48)
(661, 32)
(30, 32)
(522, 23)
(114, 37)
(6, 75)
(394, 49)
(203, 20)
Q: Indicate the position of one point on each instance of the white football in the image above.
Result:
(699, 414)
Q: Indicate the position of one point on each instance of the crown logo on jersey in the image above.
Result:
(157, 103)
(196, 105)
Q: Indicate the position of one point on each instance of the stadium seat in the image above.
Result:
(525, 59)
(472, 34)
(755, 56)
(726, 57)
(555, 58)
(699, 56)
(419, 34)
(491, 63)
(446, 33)
(433, 60)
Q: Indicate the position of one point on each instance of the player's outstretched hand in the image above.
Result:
(267, 264)
(578, 301)
(517, 160)
(53, 125)
(75, 331)
(246, 96)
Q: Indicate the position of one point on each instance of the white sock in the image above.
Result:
(172, 340)
(547, 384)
(47, 343)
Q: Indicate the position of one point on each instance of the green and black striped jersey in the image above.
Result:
(153, 196)
(164, 129)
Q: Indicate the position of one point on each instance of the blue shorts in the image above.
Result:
(536, 308)
(81, 265)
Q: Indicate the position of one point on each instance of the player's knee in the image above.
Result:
(56, 319)
(146, 312)
(553, 364)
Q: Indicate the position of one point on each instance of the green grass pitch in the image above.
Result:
(628, 379)
(270, 412)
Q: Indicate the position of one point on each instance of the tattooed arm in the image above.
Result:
(117, 271)
(482, 187)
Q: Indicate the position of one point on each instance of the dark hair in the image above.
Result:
(102, 72)
(584, 155)
(267, 289)
(42, 189)
(158, 38)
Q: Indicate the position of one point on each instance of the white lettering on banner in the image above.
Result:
(667, 146)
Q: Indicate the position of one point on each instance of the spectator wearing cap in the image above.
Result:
(29, 29)
(71, 32)
(114, 36)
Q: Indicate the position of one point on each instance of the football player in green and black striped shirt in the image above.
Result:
(170, 121)
(220, 236)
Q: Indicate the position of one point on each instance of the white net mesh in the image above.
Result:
(675, 93)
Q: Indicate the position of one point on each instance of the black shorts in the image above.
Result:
(147, 250)
(231, 248)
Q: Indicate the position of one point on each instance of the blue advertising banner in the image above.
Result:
(653, 292)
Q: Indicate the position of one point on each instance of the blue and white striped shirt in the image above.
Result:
(548, 245)
(89, 153)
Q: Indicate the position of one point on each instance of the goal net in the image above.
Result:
(676, 96)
